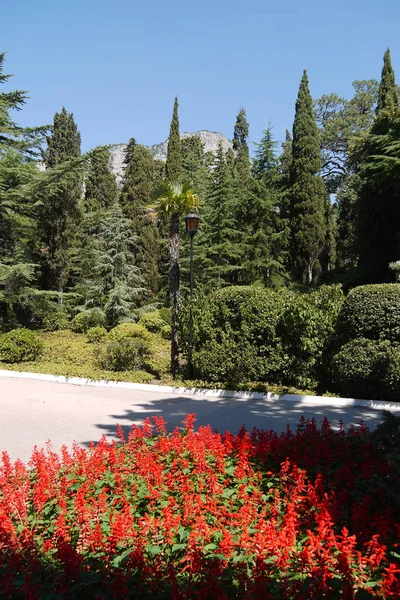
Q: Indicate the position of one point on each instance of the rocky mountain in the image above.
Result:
(210, 140)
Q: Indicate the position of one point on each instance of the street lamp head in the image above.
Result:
(192, 223)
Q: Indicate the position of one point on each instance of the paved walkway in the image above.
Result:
(32, 412)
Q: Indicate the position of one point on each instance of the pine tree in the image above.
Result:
(60, 213)
(307, 192)
(101, 187)
(379, 199)
(115, 282)
(218, 254)
(265, 163)
(135, 198)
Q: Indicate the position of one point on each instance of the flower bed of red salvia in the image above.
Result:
(196, 514)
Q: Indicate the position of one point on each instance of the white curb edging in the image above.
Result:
(207, 393)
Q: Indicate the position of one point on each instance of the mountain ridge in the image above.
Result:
(210, 139)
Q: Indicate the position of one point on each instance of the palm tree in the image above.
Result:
(172, 201)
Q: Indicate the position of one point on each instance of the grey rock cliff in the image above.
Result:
(210, 140)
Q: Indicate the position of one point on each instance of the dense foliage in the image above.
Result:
(371, 311)
(79, 250)
(198, 514)
(250, 333)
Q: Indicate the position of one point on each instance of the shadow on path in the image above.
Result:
(230, 414)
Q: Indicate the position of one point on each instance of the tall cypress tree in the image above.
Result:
(307, 192)
(378, 201)
(101, 190)
(60, 214)
(173, 170)
(240, 146)
(388, 99)
(174, 160)
(135, 197)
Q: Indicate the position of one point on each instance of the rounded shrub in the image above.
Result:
(129, 330)
(55, 321)
(368, 369)
(235, 336)
(87, 319)
(371, 311)
(152, 321)
(20, 345)
(125, 354)
(96, 334)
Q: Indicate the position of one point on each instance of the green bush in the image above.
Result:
(129, 330)
(371, 311)
(20, 345)
(87, 319)
(166, 332)
(158, 362)
(306, 330)
(235, 334)
(55, 321)
(125, 354)
(96, 334)
(152, 321)
(368, 369)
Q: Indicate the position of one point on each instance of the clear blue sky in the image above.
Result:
(118, 65)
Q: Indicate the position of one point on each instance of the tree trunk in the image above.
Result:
(309, 273)
(174, 285)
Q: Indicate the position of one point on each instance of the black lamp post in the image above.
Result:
(192, 226)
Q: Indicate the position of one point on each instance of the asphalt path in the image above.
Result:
(33, 412)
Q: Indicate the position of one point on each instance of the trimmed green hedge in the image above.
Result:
(251, 333)
(236, 335)
(367, 369)
(371, 311)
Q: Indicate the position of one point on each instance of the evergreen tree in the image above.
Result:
(101, 187)
(346, 246)
(379, 200)
(218, 254)
(60, 212)
(115, 282)
(174, 159)
(285, 161)
(265, 163)
(130, 147)
(388, 96)
(135, 198)
(240, 146)
(307, 192)
(173, 171)
(26, 140)
(194, 167)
